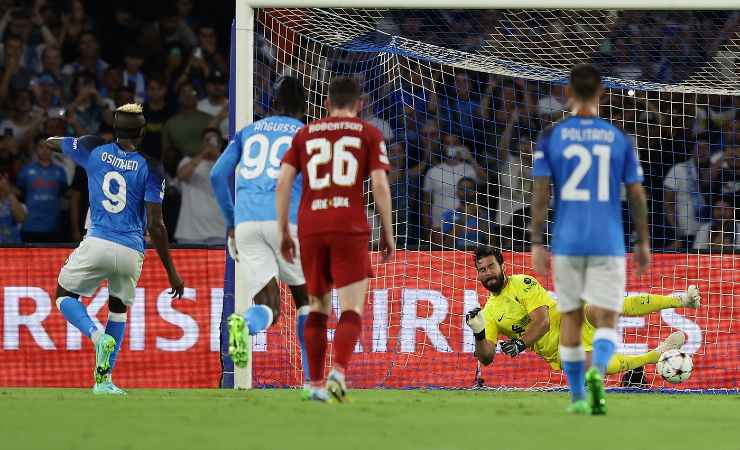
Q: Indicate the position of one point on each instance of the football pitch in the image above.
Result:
(62, 419)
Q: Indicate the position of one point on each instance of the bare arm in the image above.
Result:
(185, 172)
(158, 234)
(74, 213)
(382, 196)
(638, 209)
(540, 204)
(485, 351)
(282, 195)
(538, 326)
(17, 208)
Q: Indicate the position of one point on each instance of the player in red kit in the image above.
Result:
(335, 155)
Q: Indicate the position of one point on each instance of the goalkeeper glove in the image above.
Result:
(513, 347)
(476, 323)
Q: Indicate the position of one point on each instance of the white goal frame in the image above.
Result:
(244, 86)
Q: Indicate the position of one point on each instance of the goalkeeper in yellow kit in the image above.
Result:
(523, 311)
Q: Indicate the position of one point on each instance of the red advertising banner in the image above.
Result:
(413, 327)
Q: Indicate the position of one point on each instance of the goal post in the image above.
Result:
(487, 94)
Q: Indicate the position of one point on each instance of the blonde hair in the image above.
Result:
(131, 108)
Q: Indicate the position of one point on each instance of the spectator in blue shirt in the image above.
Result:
(461, 112)
(12, 213)
(466, 226)
(43, 185)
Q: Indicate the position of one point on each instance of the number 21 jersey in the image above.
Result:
(120, 184)
(588, 159)
(335, 155)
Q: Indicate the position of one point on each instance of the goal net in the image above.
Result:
(461, 96)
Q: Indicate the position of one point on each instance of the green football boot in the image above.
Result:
(103, 349)
(107, 388)
(579, 407)
(596, 392)
(239, 340)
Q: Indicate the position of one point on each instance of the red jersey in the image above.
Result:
(335, 155)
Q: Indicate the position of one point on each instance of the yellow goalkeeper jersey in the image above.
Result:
(508, 314)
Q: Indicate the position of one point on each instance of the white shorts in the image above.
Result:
(258, 244)
(596, 280)
(96, 260)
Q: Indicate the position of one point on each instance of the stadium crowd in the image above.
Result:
(460, 143)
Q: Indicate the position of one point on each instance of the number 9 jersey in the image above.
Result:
(120, 184)
(588, 159)
(335, 155)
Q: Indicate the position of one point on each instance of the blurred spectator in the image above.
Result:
(74, 23)
(12, 213)
(515, 193)
(181, 135)
(683, 196)
(200, 220)
(460, 112)
(51, 65)
(468, 225)
(133, 77)
(440, 183)
(368, 115)
(24, 122)
(727, 180)
(47, 91)
(88, 59)
(43, 184)
(721, 235)
(208, 51)
(86, 113)
(14, 76)
(166, 31)
(551, 107)
(216, 99)
(157, 111)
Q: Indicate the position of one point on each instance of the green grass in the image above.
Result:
(74, 419)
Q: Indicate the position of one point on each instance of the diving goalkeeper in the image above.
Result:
(523, 311)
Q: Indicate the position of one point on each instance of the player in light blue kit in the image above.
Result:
(255, 154)
(587, 159)
(126, 191)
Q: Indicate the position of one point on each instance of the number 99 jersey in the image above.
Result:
(588, 159)
(120, 184)
(335, 155)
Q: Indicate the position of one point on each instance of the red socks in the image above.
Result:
(314, 334)
(345, 338)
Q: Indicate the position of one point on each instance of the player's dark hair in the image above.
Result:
(344, 92)
(585, 81)
(289, 96)
(483, 251)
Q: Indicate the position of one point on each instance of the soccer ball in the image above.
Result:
(675, 366)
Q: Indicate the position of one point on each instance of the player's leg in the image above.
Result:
(292, 275)
(642, 305)
(258, 268)
(350, 268)
(604, 292)
(569, 274)
(122, 289)
(300, 298)
(81, 275)
(315, 261)
(622, 363)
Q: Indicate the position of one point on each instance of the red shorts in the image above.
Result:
(336, 259)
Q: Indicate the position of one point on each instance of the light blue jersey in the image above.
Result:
(120, 184)
(255, 154)
(587, 159)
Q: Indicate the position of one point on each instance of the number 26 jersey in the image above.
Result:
(335, 155)
(120, 184)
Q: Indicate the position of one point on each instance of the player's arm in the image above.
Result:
(538, 326)
(382, 196)
(221, 174)
(78, 149)
(637, 201)
(158, 235)
(282, 205)
(485, 334)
